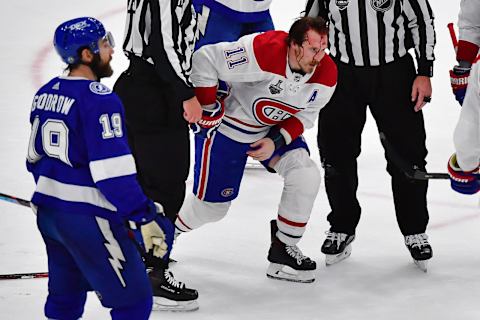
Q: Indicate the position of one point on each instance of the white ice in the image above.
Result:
(226, 261)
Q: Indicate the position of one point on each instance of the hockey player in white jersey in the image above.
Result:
(463, 165)
(278, 84)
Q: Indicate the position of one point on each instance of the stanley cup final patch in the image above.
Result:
(342, 4)
(381, 5)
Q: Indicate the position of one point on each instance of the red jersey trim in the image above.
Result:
(293, 127)
(325, 73)
(270, 50)
(206, 95)
(466, 51)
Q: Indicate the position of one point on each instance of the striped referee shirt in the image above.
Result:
(162, 32)
(375, 32)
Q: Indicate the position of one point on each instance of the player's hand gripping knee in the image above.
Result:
(211, 119)
(459, 81)
(461, 181)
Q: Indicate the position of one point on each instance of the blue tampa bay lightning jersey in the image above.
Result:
(78, 151)
(246, 11)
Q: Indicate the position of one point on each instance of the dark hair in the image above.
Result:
(72, 66)
(298, 30)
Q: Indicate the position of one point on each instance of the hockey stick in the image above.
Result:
(15, 200)
(33, 275)
(409, 170)
(453, 36)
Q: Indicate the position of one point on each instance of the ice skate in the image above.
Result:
(337, 247)
(170, 294)
(288, 263)
(420, 249)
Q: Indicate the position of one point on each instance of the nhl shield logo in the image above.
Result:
(342, 4)
(381, 5)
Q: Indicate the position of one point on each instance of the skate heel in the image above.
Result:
(335, 258)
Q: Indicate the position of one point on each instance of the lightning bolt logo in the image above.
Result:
(202, 20)
(116, 254)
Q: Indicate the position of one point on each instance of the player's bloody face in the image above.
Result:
(311, 52)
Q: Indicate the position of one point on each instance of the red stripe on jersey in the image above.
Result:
(270, 50)
(202, 185)
(244, 123)
(293, 126)
(206, 95)
(325, 73)
(183, 223)
(292, 223)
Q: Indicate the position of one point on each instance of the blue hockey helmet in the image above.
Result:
(79, 33)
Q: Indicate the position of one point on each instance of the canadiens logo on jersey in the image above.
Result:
(381, 5)
(342, 4)
(270, 112)
(227, 192)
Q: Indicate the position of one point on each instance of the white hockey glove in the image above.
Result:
(158, 234)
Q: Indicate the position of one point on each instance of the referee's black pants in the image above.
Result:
(387, 91)
(157, 133)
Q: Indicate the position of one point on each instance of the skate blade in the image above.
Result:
(163, 304)
(421, 264)
(335, 258)
(282, 272)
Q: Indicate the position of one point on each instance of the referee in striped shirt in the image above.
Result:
(370, 40)
(159, 102)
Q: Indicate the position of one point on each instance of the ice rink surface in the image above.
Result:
(226, 261)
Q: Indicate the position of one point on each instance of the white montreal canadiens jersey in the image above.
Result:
(78, 151)
(264, 92)
(467, 132)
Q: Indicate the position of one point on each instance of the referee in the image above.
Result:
(159, 103)
(369, 41)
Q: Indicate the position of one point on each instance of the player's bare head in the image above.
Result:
(298, 31)
(307, 41)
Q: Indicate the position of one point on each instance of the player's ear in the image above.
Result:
(86, 55)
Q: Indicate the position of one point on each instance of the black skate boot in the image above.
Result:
(420, 249)
(288, 263)
(337, 247)
(171, 295)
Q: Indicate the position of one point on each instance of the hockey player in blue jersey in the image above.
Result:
(228, 20)
(86, 189)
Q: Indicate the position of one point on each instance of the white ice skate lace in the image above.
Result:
(416, 240)
(336, 238)
(295, 253)
(171, 280)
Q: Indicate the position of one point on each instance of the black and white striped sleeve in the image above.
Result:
(162, 32)
(420, 23)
